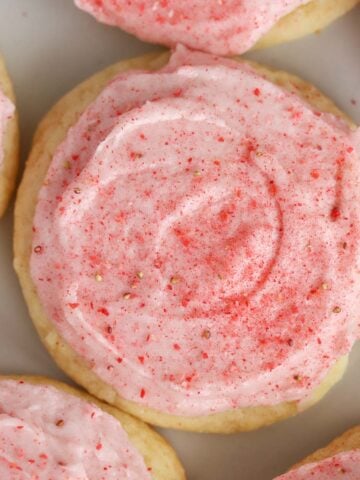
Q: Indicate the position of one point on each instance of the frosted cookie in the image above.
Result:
(8, 139)
(338, 461)
(223, 27)
(187, 240)
(51, 431)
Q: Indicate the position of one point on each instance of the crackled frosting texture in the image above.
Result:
(344, 466)
(218, 26)
(196, 240)
(6, 112)
(47, 434)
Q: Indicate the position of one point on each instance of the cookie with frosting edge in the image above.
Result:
(8, 170)
(347, 442)
(350, 440)
(310, 18)
(49, 135)
(158, 455)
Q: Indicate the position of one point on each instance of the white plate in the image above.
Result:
(50, 46)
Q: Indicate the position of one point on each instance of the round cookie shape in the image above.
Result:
(166, 246)
(339, 460)
(8, 139)
(222, 27)
(178, 226)
(48, 430)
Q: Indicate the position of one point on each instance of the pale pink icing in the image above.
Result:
(6, 112)
(344, 466)
(239, 206)
(219, 26)
(47, 434)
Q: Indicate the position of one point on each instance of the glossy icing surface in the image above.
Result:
(196, 240)
(218, 26)
(46, 434)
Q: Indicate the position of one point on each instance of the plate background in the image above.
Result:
(50, 46)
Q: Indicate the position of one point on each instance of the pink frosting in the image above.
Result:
(219, 26)
(6, 112)
(344, 466)
(196, 240)
(46, 434)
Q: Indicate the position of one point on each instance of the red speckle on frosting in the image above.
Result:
(315, 174)
(218, 253)
(103, 311)
(343, 466)
(335, 213)
(73, 305)
(220, 27)
(59, 438)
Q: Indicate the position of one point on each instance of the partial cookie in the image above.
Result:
(48, 429)
(312, 17)
(338, 461)
(228, 27)
(9, 139)
(162, 328)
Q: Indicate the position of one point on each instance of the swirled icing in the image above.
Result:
(196, 240)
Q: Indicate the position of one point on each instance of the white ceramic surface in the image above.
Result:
(50, 47)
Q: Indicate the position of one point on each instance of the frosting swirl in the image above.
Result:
(196, 240)
(218, 26)
(47, 434)
(345, 465)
